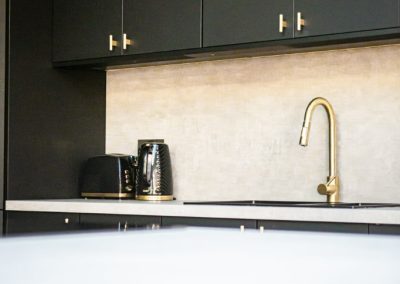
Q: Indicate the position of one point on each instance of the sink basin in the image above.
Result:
(308, 204)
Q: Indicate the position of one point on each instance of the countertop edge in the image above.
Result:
(389, 216)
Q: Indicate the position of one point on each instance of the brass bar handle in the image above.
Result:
(282, 23)
(126, 41)
(300, 22)
(112, 43)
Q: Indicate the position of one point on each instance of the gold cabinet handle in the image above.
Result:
(112, 43)
(282, 23)
(300, 22)
(126, 41)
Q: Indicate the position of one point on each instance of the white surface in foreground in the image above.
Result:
(201, 256)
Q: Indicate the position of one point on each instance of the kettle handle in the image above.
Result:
(148, 164)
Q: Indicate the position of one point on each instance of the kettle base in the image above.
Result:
(106, 195)
(154, 197)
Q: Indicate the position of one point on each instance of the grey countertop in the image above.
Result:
(177, 209)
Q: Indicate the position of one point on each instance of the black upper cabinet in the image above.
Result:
(159, 25)
(83, 29)
(322, 17)
(242, 21)
(87, 29)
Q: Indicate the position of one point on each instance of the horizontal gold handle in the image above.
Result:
(112, 43)
(126, 41)
(282, 23)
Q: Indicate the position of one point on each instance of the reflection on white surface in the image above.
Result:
(201, 256)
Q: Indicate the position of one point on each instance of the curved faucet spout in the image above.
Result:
(331, 189)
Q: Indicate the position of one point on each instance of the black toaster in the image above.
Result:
(109, 176)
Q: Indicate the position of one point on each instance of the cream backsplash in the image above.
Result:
(233, 126)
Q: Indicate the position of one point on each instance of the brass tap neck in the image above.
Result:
(332, 194)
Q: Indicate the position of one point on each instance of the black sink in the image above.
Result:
(308, 204)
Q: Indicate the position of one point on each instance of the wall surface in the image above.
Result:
(233, 126)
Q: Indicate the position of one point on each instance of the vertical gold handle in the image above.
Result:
(111, 43)
(282, 23)
(300, 22)
(126, 41)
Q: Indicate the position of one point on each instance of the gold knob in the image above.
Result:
(300, 22)
(126, 41)
(112, 43)
(282, 23)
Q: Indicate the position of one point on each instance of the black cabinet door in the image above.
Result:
(241, 21)
(40, 222)
(1, 223)
(384, 229)
(82, 28)
(208, 222)
(118, 222)
(314, 226)
(159, 25)
(323, 17)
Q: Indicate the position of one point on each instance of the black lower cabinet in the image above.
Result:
(40, 222)
(208, 222)
(1, 223)
(118, 222)
(384, 229)
(314, 226)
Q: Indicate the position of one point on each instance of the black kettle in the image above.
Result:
(154, 173)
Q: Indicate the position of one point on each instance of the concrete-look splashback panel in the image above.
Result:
(233, 126)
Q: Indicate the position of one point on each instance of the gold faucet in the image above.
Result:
(331, 188)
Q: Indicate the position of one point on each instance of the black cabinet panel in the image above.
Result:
(40, 222)
(159, 25)
(384, 229)
(341, 16)
(56, 118)
(2, 93)
(1, 223)
(82, 28)
(118, 222)
(314, 226)
(208, 222)
(241, 21)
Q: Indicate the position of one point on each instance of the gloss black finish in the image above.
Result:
(118, 222)
(56, 118)
(154, 173)
(314, 226)
(40, 222)
(82, 28)
(228, 22)
(209, 222)
(342, 16)
(159, 25)
(108, 174)
(308, 204)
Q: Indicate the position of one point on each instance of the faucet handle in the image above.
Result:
(329, 188)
